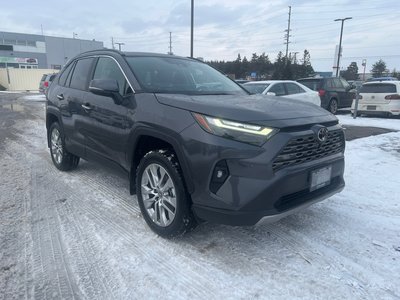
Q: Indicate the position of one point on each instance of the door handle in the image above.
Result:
(60, 97)
(86, 106)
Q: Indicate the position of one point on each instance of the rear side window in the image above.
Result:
(336, 83)
(256, 88)
(81, 74)
(278, 89)
(64, 75)
(378, 88)
(43, 77)
(293, 88)
(344, 83)
(311, 84)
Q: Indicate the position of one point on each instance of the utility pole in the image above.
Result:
(170, 43)
(340, 45)
(41, 27)
(287, 35)
(119, 45)
(112, 42)
(191, 29)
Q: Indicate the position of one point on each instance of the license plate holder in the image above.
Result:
(371, 107)
(320, 178)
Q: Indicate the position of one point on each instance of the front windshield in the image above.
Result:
(256, 88)
(180, 76)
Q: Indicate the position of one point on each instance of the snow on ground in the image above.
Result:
(80, 235)
(35, 97)
(389, 123)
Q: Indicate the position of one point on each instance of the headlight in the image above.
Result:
(242, 132)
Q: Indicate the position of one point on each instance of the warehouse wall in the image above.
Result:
(22, 79)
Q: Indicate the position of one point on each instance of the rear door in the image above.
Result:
(294, 91)
(108, 129)
(73, 96)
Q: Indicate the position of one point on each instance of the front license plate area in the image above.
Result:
(371, 107)
(320, 178)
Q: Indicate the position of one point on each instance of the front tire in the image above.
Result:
(62, 159)
(162, 196)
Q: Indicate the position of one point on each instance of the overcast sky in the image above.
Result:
(223, 28)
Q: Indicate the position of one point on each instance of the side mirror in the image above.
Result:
(271, 94)
(106, 87)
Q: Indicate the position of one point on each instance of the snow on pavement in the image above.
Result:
(80, 235)
(389, 123)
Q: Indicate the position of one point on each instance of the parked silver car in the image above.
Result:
(45, 82)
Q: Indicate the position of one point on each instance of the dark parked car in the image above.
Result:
(195, 144)
(335, 92)
(45, 82)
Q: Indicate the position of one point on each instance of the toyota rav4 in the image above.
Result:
(195, 145)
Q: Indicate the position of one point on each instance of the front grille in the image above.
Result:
(307, 148)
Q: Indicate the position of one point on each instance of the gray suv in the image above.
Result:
(195, 145)
(335, 92)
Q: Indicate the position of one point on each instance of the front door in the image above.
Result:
(108, 131)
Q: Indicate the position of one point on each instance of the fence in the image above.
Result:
(22, 79)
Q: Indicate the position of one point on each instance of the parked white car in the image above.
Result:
(379, 97)
(284, 88)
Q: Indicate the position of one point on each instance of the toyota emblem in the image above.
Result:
(322, 134)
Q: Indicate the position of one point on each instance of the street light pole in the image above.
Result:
(340, 45)
(191, 29)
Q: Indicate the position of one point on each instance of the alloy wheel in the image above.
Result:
(56, 146)
(158, 192)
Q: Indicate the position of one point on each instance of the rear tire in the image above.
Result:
(162, 196)
(333, 106)
(62, 159)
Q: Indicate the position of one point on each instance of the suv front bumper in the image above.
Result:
(274, 199)
(254, 190)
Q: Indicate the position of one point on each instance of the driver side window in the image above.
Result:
(107, 68)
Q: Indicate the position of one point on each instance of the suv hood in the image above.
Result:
(257, 109)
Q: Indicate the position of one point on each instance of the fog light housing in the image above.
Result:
(219, 176)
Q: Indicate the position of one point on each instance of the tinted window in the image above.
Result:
(293, 88)
(107, 68)
(278, 89)
(329, 83)
(64, 75)
(256, 88)
(311, 84)
(345, 83)
(180, 76)
(378, 88)
(337, 83)
(81, 73)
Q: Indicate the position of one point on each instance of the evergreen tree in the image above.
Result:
(396, 74)
(351, 73)
(378, 68)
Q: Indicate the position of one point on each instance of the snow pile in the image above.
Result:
(389, 123)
